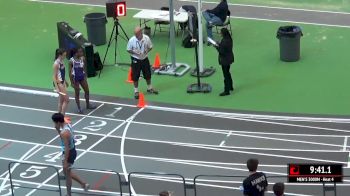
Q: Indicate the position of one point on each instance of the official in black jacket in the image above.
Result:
(226, 58)
(216, 16)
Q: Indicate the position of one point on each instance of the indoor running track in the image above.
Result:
(123, 138)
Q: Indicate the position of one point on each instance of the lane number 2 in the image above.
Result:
(96, 125)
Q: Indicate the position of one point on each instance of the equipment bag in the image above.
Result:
(186, 42)
(97, 62)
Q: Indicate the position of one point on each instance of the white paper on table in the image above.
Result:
(212, 41)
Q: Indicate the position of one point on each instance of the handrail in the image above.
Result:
(100, 170)
(155, 174)
(33, 164)
(127, 182)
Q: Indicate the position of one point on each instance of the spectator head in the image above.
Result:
(252, 165)
(58, 120)
(77, 52)
(138, 32)
(165, 193)
(60, 53)
(278, 189)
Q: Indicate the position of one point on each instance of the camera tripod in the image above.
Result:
(114, 36)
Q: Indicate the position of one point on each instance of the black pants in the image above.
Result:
(227, 78)
(140, 65)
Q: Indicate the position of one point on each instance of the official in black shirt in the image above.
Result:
(216, 16)
(226, 58)
(256, 183)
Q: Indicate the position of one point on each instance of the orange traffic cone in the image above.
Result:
(156, 64)
(142, 102)
(129, 80)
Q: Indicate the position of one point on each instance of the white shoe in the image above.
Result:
(86, 187)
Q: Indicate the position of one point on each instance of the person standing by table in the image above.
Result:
(139, 46)
(226, 58)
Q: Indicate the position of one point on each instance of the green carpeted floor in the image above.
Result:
(317, 84)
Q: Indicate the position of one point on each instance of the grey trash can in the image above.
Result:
(289, 38)
(96, 28)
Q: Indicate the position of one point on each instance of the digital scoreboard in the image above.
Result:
(315, 173)
(115, 8)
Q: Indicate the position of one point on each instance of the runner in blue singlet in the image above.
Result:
(77, 74)
(59, 82)
(69, 152)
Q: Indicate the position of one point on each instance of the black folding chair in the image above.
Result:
(160, 23)
(226, 24)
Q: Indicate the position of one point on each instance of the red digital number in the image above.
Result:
(120, 9)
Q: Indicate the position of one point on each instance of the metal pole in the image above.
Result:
(172, 33)
(200, 37)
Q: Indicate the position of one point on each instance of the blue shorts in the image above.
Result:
(72, 156)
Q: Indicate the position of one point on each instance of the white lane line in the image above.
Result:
(81, 4)
(163, 125)
(53, 111)
(204, 163)
(179, 144)
(272, 7)
(222, 131)
(57, 166)
(203, 112)
(224, 140)
(345, 143)
(29, 143)
(231, 133)
(185, 127)
(45, 127)
(221, 144)
(195, 163)
(122, 146)
(264, 154)
(83, 153)
(248, 18)
(292, 125)
(161, 159)
(64, 187)
(51, 94)
(251, 116)
(345, 148)
(230, 147)
(286, 140)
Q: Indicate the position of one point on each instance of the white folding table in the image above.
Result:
(160, 15)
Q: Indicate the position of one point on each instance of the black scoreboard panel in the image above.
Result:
(315, 173)
(68, 39)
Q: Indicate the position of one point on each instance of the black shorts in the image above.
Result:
(140, 65)
(72, 156)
